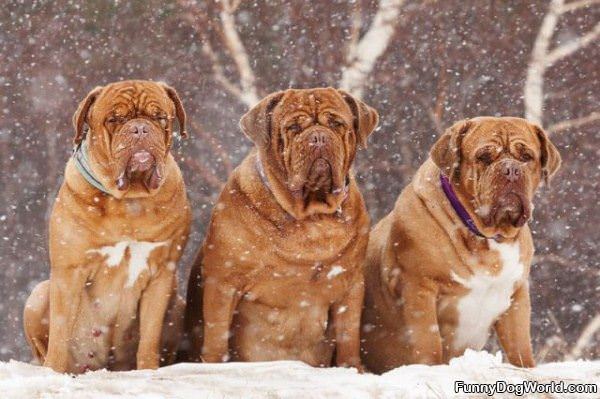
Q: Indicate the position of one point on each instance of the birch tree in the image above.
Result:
(544, 57)
(363, 52)
(245, 88)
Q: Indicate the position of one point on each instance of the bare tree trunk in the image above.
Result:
(533, 95)
(364, 53)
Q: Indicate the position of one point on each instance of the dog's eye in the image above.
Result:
(334, 123)
(115, 119)
(294, 128)
(526, 157)
(485, 158)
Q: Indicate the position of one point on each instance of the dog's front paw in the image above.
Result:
(353, 363)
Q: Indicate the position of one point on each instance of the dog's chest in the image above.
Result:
(129, 257)
(488, 296)
(133, 218)
(327, 282)
(314, 241)
(319, 266)
(107, 325)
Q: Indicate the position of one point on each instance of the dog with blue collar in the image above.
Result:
(117, 230)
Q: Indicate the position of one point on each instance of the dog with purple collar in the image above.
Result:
(451, 261)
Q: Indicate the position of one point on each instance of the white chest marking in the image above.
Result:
(139, 252)
(489, 296)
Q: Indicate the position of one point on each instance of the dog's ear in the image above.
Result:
(179, 111)
(446, 152)
(550, 157)
(80, 118)
(256, 123)
(365, 117)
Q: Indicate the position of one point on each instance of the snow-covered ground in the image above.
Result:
(287, 380)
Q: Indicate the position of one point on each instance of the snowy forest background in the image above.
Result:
(422, 64)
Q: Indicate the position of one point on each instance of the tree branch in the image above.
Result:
(245, 90)
(238, 53)
(567, 49)
(217, 70)
(573, 123)
(585, 338)
(576, 5)
(553, 344)
(543, 58)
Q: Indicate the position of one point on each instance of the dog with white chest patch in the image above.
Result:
(452, 259)
(117, 230)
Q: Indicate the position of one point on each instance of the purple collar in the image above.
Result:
(459, 208)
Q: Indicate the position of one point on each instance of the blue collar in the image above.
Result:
(83, 166)
(261, 171)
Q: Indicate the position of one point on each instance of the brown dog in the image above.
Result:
(281, 266)
(117, 230)
(452, 259)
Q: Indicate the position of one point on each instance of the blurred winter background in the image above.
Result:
(422, 64)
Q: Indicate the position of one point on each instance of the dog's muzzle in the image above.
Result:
(142, 164)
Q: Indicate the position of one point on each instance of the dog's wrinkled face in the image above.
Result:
(309, 137)
(497, 163)
(130, 134)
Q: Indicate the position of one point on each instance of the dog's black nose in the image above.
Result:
(139, 129)
(318, 138)
(511, 170)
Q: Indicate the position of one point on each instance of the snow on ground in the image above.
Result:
(286, 380)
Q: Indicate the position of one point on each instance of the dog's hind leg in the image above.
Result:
(36, 320)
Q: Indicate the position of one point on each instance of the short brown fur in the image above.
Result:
(88, 315)
(279, 275)
(421, 253)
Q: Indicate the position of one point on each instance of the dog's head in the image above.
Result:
(129, 129)
(497, 164)
(309, 139)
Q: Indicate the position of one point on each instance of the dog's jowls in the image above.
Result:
(434, 287)
(279, 274)
(111, 301)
